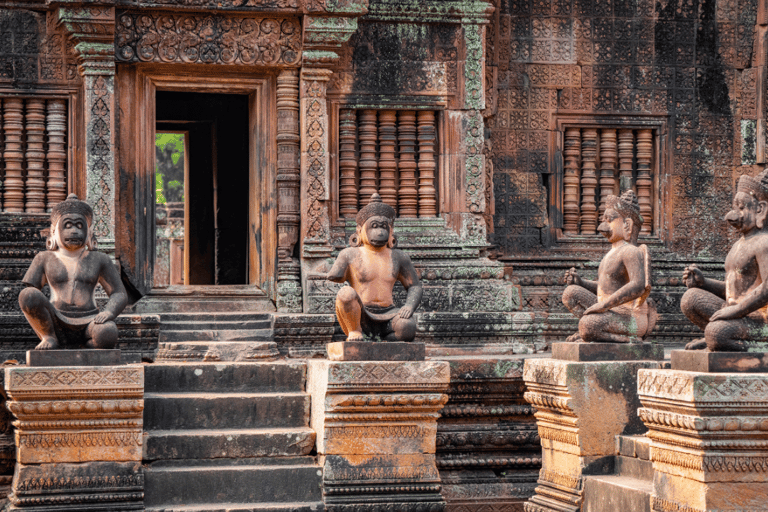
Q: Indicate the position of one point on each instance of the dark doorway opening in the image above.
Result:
(216, 184)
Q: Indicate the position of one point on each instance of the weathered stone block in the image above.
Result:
(84, 357)
(608, 351)
(580, 409)
(718, 362)
(708, 435)
(374, 351)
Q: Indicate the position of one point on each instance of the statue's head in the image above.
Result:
(750, 203)
(71, 225)
(622, 219)
(374, 224)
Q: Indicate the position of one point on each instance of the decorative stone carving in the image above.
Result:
(577, 435)
(371, 267)
(79, 437)
(615, 308)
(708, 439)
(72, 268)
(376, 424)
(195, 39)
(733, 312)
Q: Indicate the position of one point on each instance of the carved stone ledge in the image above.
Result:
(709, 439)
(577, 437)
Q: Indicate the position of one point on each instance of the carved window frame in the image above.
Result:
(441, 170)
(75, 137)
(660, 179)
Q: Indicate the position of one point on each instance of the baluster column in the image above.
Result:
(607, 165)
(588, 181)
(2, 162)
(367, 163)
(35, 125)
(427, 164)
(347, 163)
(13, 125)
(387, 162)
(644, 181)
(626, 146)
(406, 137)
(56, 127)
(572, 151)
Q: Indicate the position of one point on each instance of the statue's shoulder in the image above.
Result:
(348, 252)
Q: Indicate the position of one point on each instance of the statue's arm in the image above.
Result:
(694, 278)
(110, 281)
(411, 282)
(572, 277)
(35, 275)
(338, 273)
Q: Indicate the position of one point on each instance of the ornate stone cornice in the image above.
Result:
(92, 30)
(431, 11)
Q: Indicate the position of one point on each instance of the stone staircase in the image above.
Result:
(216, 336)
(229, 436)
(630, 487)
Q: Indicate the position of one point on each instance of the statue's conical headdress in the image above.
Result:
(71, 205)
(626, 205)
(376, 208)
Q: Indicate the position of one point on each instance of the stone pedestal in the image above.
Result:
(709, 434)
(376, 423)
(580, 409)
(375, 351)
(78, 437)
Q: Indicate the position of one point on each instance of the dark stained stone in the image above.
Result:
(84, 357)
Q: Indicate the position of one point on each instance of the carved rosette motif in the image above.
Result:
(474, 77)
(314, 155)
(376, 425)
(195, 39)
(570, 399)
(709, 434)
(475, 174)
(67, 416)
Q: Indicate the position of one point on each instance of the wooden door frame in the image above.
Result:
(137, 86)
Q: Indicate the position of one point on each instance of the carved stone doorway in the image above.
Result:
(153, 97)
(215, 183)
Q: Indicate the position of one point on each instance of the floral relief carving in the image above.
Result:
(208, 39)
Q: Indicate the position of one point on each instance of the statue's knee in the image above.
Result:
(590, 327)
(569, 294)
(104, 335)
(31, 298)
(691, 299)
(347, 295)
(405, 328)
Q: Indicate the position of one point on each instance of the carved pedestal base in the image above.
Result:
(376, 423)
(709, 436)
(78, 437)
(580, 409)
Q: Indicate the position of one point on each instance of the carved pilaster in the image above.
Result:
(475, 161)
(78, 436)
(708, 439)
(288, 185)
(92, 29)
(315, 161)
(376, 424)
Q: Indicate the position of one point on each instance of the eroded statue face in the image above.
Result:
(377, 231)
(72, 231)
(743, 215)
(612, 226)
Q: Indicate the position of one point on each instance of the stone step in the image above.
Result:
(225, 377)
(616, 493)
(258, 481)
(218, 316)
(216, 335)
(634, 468)
(217, 351)
(231, 443)
(186, 411)
(197, 323)
(245, 507)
